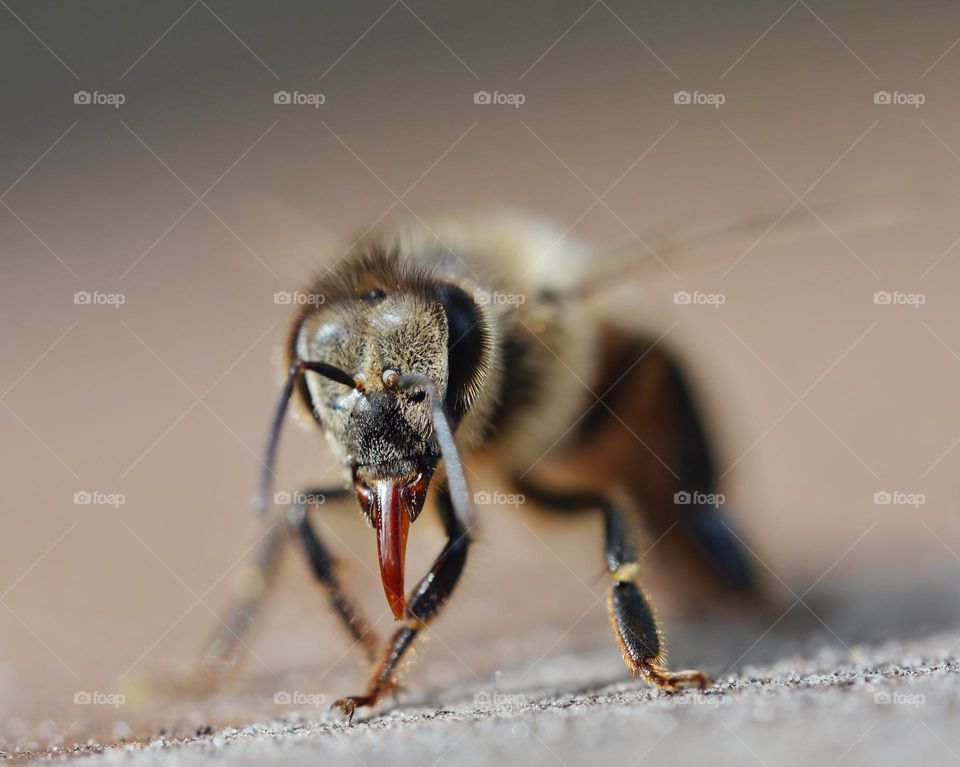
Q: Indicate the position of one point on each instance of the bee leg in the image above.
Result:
(223, 652)
(323, 567)
(424, 604)
(675, 428)
(632, 617)
(723, 550)
(666, 459)
(251, 587)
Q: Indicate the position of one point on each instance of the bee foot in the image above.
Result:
(673, 680)
(348, 706)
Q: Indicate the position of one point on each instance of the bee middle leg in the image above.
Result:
(653, 435)
(424, 604)
(222, 654)
(632, 617)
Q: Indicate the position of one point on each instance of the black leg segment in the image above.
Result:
(322, 565)
(424, 604)
(632, 618)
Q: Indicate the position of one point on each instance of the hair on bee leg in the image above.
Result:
(633, 619)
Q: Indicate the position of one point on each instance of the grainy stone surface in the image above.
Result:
(869, 705)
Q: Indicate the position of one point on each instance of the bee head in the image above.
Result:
(385, 324)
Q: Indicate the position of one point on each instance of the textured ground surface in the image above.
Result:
(898, 702)
(856, 705)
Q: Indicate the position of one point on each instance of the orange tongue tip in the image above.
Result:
(398, 605)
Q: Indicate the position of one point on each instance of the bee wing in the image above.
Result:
(693, 247)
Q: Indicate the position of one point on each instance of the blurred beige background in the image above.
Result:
(166, 398)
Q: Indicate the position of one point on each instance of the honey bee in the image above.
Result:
(428, 342)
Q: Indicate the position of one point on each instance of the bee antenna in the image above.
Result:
(457, 483)
(261, 501)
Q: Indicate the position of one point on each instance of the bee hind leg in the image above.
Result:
(637, 632)
(632, 617)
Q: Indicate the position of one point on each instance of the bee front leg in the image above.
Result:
(424, 604)
(632, 617)
(323, 567)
